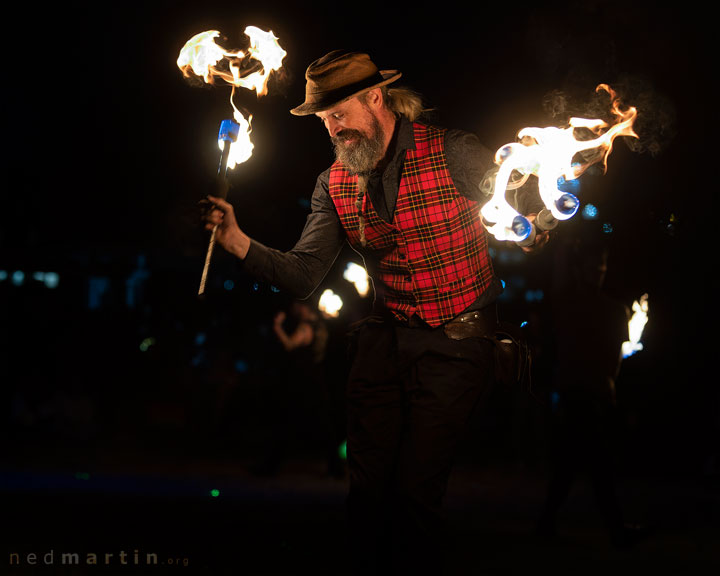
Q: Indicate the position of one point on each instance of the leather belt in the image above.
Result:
(476, 323)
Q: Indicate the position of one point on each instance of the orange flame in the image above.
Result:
(265, 49)
(551, 154)
(201, 57)
(242, 148)
(604, 141)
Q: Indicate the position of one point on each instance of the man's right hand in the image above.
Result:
(220, 213)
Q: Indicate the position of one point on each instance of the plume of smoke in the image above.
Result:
(655, 124)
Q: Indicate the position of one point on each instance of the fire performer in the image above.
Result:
(406, 195)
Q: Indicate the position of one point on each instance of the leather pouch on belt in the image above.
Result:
(512, 357)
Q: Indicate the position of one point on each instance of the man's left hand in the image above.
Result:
(542, 237)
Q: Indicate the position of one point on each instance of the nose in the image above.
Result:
(333, 126)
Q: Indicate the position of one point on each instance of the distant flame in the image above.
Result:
(551, 154)
(201, 57)
(358, 276)
(330, 303)
(636, 326)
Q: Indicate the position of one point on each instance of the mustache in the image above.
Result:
(346, 134)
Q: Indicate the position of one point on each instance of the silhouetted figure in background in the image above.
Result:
(295, 398)
(305, 339)
(590, 330)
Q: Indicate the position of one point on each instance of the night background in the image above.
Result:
(127, 399)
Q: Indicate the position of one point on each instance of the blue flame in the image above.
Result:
(572, 186)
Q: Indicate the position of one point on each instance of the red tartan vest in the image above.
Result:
(432, 260)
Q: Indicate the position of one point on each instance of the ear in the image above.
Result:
(374, 98)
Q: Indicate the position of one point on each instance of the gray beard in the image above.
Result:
(364, 154)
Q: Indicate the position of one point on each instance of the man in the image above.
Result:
(406, 196)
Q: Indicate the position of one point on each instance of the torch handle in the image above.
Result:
(228, 135)
(222, 192)
(206, 267)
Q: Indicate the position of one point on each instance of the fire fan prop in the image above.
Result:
(553, 155)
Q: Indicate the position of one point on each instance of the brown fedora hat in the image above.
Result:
(338, 76)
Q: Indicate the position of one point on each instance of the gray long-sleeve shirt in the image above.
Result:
(301, 269)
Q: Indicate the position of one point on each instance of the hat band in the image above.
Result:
(337, 95)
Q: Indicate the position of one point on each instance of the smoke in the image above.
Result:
(280, 81)
(655, 125)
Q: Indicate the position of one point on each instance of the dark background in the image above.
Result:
(108, 150)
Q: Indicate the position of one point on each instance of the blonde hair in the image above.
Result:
(405, 101)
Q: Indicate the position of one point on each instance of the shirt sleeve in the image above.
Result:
(469, 162)
(301, 270)
(472, 166)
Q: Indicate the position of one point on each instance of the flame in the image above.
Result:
(201, 57)
(501, 219)
(636, 324)
(551, 154)
(242, 148)
(330, 303)
(265, 49)
(358, 276)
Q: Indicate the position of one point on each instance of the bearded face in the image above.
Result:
(359, 151)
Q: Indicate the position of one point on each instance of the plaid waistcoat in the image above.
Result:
(432, 260)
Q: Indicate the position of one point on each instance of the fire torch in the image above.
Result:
(229, 130)
(201, 57)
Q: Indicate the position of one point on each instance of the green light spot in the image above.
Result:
(147, 343)
(214, 492)
(342, 450)
(82, 476)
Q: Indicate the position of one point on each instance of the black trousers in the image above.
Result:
(411, 392)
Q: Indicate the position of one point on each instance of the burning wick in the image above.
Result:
(552, 155)
(636, 324)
